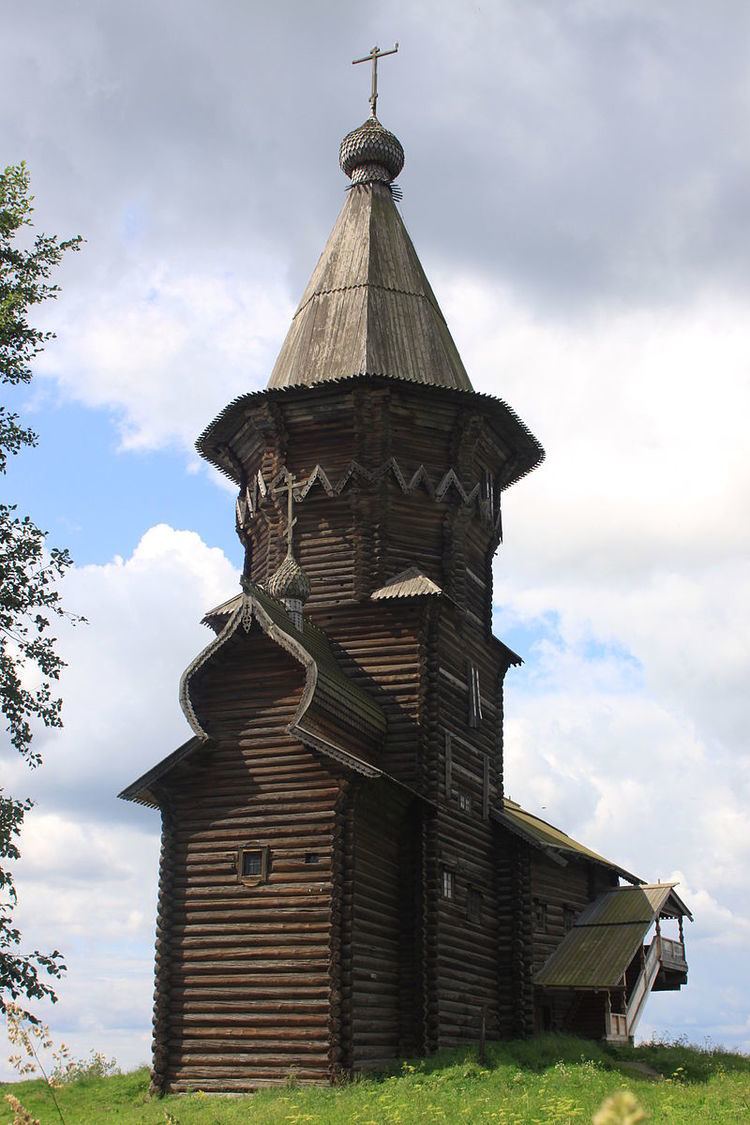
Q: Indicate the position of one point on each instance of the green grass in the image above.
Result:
(550, 1080)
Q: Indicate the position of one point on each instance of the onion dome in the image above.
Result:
(371, 154)
(289, 581)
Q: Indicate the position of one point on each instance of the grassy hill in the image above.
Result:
(551, 1080)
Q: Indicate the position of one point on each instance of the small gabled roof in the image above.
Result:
(217, 617)
(409, 583)
(607, 935)
(554, 841)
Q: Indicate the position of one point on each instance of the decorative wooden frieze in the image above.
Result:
(447, 488)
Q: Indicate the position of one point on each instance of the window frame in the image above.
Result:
(475, 696)
(265, 864)
(464, 801)
(540, 916)
(570, 915)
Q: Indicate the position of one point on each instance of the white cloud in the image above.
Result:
(120, 688)
(626, 553)
(166, 350)
(87, 878)
(625, 568)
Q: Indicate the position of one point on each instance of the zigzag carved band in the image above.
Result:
(260, 491)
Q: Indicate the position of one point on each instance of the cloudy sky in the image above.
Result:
(576, 184)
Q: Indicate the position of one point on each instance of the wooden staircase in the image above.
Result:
(661, 955)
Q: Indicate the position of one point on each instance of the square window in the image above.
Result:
(253, 863)
(448, 883)
(464, 800)
(312, 857)
(474, 905)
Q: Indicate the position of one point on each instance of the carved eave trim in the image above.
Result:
(221, 433)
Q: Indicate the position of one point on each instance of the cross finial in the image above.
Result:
(373, 57)
(288, 487)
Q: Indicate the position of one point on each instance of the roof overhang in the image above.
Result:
(556, 844)
(597, 951)
(215, 442)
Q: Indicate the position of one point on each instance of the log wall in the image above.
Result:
(561, 891)
(383, 968)
(251, 996)
(466, 785)
(354, 531)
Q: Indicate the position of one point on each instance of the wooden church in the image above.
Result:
(342, 881)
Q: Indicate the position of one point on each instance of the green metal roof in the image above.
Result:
(606, 937)
(592, 957)
(627, 905)
(546, 836)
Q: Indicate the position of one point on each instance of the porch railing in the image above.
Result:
(673, 952)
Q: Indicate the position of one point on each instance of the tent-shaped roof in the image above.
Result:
(607, 935)
(368, 307)
(552, 840)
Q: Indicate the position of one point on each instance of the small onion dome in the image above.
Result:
(370, 153)
(289, 582)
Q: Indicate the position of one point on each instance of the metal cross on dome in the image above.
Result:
(373, 57)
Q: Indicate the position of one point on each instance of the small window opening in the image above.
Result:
(448, 883)
(488, 489)
(540, 916)
(312, 857)
(475, 698)
(569, 916)
(474, 905)
(464, 800)
(253, 864)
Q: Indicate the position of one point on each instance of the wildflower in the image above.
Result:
(623, 1108)
(21, 1115)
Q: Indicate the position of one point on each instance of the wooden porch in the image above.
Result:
(662, 967)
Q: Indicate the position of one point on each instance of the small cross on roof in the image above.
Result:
(373, 57)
